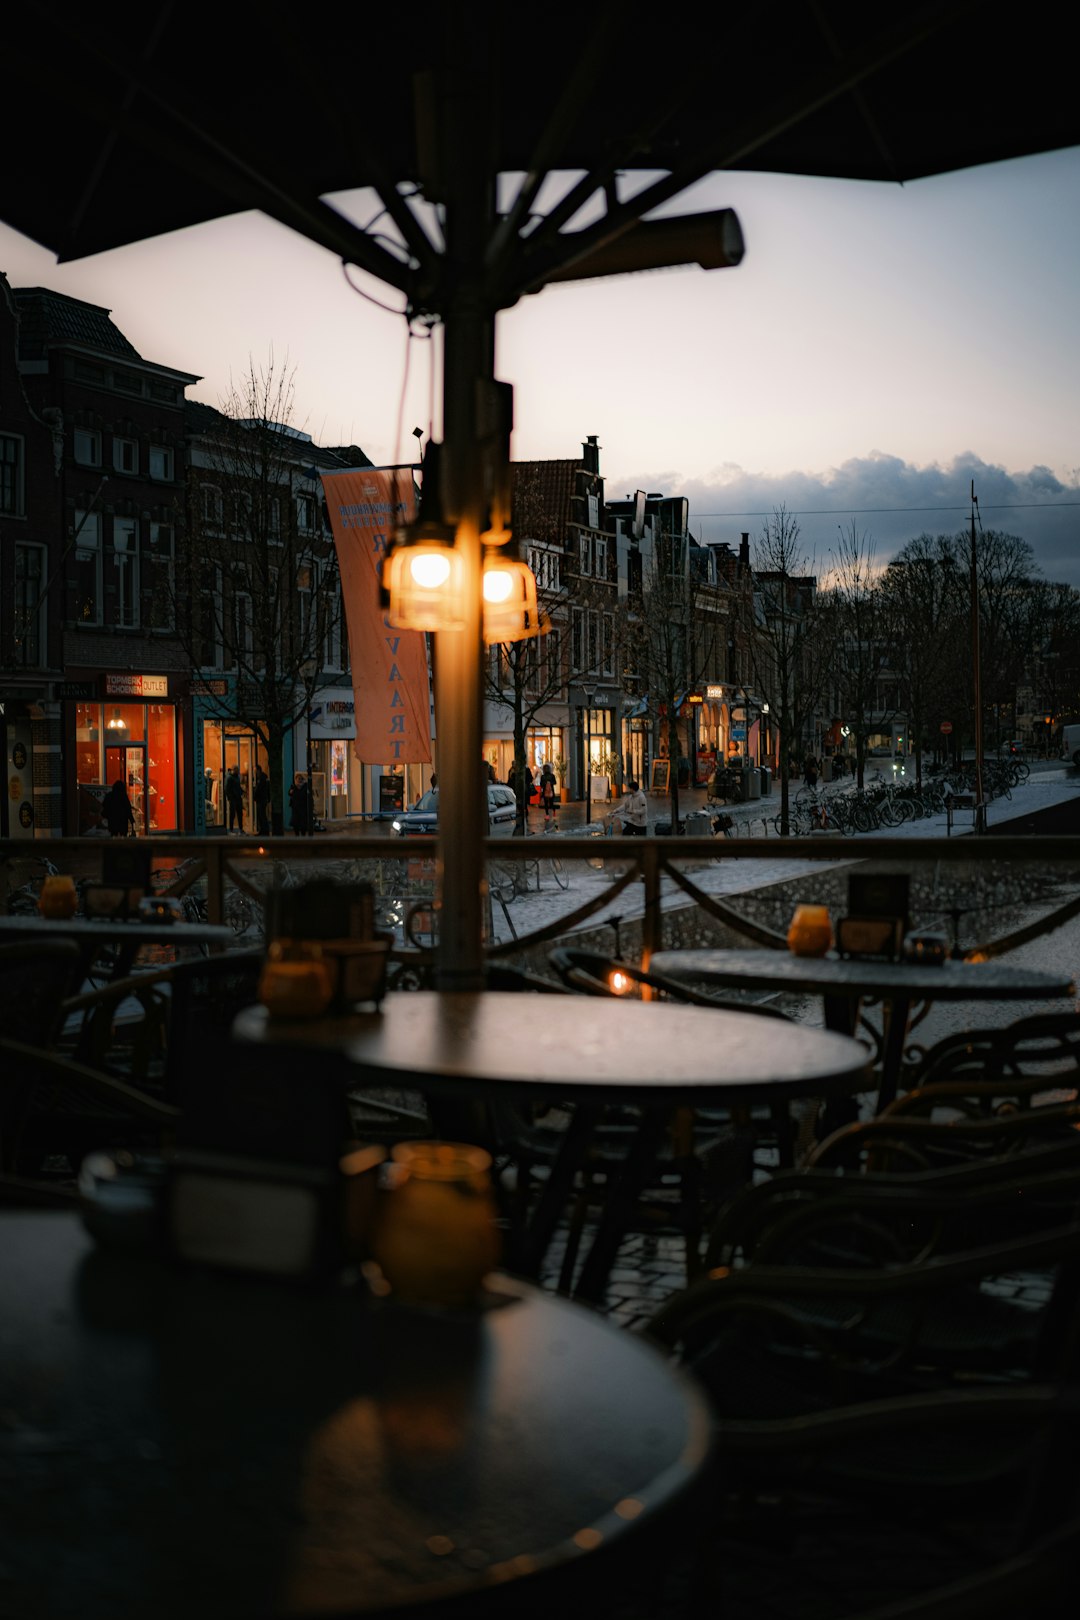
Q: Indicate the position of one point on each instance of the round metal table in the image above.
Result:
(844, 983)
(200, 1443)
(657, 1056)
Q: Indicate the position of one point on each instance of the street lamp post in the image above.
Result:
(588, 691)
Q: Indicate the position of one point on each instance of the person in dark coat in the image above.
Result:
(262, 801)
(810, 771)
(300, 805)
(547, 793)
(117, 810)
(234, 798)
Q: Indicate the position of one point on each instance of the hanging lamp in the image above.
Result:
(423, 572)
(511, 610)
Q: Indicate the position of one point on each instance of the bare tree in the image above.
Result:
(924, 612)
(790, 653)
(861, 644)
(255, 583)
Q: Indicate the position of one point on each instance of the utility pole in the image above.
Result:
(980, 808)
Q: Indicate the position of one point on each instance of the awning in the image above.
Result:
(635, 710)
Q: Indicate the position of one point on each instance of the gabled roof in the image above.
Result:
(200, 418)
(349, 455)
(47, 317)
(541, 495)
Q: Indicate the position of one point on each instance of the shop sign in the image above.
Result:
(714, 694)
(76, 691)
(739, 733)
(204, 688)
(332, 717)
(146, 686)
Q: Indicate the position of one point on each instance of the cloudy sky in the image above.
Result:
(878, 348)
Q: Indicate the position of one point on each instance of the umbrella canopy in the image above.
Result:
(125, 124)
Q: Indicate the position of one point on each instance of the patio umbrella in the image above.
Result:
(122, 125)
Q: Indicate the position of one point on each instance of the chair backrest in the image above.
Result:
(207, 993)
(35, 977)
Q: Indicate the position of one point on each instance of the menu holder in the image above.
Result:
(877, 917)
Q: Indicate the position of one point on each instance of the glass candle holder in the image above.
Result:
(295, 981)
(57, 897)
(435, 1236)
(810, 933)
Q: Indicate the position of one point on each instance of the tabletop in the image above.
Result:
(625, 1050)
(950, 980)
(112, 931)
(223, 1445)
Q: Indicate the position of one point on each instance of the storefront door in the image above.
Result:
(239, 750)
(128, 764)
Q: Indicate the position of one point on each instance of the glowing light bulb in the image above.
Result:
(430, 571)
(619, 983)
(498, 583)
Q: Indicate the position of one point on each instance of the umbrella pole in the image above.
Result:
(468, 378)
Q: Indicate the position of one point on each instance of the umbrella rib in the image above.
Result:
(844, 75)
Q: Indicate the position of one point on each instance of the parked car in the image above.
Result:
(424, 815)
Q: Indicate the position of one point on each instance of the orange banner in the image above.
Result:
(389, 667)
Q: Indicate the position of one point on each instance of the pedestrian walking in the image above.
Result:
(234, 798)
(547, 797)
(262, 801)
(810, 771)
(117, 810)
(635, 812)
(300, 805)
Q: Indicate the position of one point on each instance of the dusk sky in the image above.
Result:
(877, 349)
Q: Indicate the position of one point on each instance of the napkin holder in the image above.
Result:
(877, 939)
(125, 880)
(877, 918)
(340, 919)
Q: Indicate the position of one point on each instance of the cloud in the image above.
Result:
(889, 500)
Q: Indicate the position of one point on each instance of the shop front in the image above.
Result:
(127, 731)
(545, 740)
(712, 733)
(331, 733)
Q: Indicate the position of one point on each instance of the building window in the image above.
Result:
(87, 447)
(594, 511)
(332, 627)
(243, 630)
(125, 455)
(11, 475)
(592, 642)
(30, 606)
(162, 560)
(161, 463)
(126, 559)
(240, 515)
(86, 570)
(545, 565)
(210, 505)
(129, 381)
(305, 513)
(273, 520)
(209, 629)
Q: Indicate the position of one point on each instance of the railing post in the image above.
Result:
(652, 923)
(215, 881)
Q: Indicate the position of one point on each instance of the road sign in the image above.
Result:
(945, 727)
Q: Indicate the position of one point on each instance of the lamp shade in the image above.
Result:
(423, 578)
(511, 612)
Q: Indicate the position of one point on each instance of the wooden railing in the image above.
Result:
(222, 868)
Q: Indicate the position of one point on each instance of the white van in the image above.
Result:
(1070, 743)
